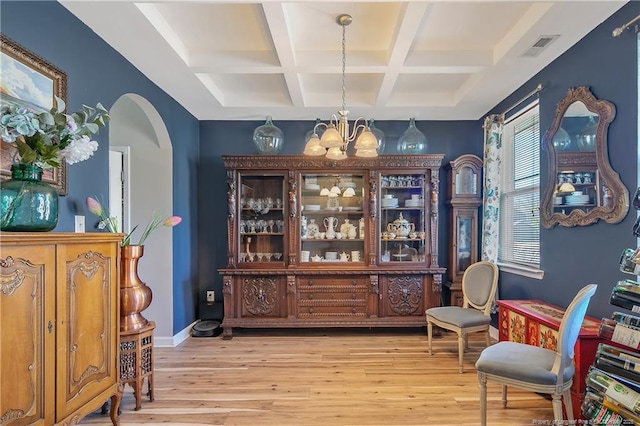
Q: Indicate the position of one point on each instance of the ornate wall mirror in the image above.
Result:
(582, 188)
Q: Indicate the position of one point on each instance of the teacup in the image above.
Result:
(320, 235)
(413, 235)
(331, 255)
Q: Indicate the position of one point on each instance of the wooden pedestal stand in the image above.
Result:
(136, 360)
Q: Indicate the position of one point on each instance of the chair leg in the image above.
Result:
(466, 342)
(504, 396)
(482, 382)
(488, 338)
(429, 334)
(568, 405)
(557, 408)
(461, 341)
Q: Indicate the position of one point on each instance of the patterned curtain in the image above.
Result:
(491, 194)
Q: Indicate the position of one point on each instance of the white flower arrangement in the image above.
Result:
(44, 139)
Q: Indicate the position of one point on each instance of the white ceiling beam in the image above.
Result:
(283, 44)
(409, 26)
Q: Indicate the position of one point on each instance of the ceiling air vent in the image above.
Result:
(542, 43)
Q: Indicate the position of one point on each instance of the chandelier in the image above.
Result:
(336, 137)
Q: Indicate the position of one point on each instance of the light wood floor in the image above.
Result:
(328, 377)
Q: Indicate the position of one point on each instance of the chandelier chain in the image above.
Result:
(344, 67)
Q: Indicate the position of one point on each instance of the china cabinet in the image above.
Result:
(464, 198)
(59, 321)
(320, 243)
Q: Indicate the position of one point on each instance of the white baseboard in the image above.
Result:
(172, 342)
(493, 333)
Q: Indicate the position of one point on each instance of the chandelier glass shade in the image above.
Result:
(333, 139)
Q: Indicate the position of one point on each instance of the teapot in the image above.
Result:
(344, 228)
(330, 224)
(344, 257)
(401, 227)
(317, 258)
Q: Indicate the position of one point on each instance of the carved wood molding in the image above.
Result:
(405, 294)
(263, 162)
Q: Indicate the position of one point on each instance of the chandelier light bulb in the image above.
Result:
(336, 153)
(314, 148)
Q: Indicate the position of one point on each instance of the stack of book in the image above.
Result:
(613, 382)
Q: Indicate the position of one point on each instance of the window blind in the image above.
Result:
(520, 197)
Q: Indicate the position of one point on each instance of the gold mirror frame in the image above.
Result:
(612, 211)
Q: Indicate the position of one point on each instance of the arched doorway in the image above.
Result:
(139, 139)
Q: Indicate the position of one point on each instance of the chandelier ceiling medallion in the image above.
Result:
(336, 137)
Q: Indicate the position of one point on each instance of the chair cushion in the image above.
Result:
(459, 317)
(521, 362)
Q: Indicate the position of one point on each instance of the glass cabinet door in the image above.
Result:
(403, 223)
(332, 218)
(262, 227)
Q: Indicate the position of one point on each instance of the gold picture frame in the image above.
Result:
(28, 80)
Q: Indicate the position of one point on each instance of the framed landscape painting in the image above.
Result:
(29, 81)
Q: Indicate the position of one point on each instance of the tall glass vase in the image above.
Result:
(26, 203)
(379, 134)
(135, 295)
(268, 138)
(413, 141)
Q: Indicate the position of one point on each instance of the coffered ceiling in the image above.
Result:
(433, 60)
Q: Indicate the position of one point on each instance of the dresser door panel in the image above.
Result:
(26, 310)
(86, 344)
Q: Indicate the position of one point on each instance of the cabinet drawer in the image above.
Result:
(323, 296)
(332, 285)
(329, 311)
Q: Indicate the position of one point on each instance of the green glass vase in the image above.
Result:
(26, 203)
(268, 138)
(413, 141)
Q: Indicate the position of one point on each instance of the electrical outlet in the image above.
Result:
(79, 224)
(211, 296)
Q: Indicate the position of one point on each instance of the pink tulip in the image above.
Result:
(172, 221)
(94, 206)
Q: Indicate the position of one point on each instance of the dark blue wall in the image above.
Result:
(97, 73)
(451, 138)
(574, 257)
(571, 257)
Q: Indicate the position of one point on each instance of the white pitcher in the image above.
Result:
(344, 257)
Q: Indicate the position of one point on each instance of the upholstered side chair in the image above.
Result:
(537, 369)
(479, 286)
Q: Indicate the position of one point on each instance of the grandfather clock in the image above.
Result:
(464, 198)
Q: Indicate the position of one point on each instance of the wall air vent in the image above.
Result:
(540, 44)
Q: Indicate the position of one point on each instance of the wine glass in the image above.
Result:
(268, 256)
(271, 223)
(277, 256)
(259, 257)
(243, 257)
